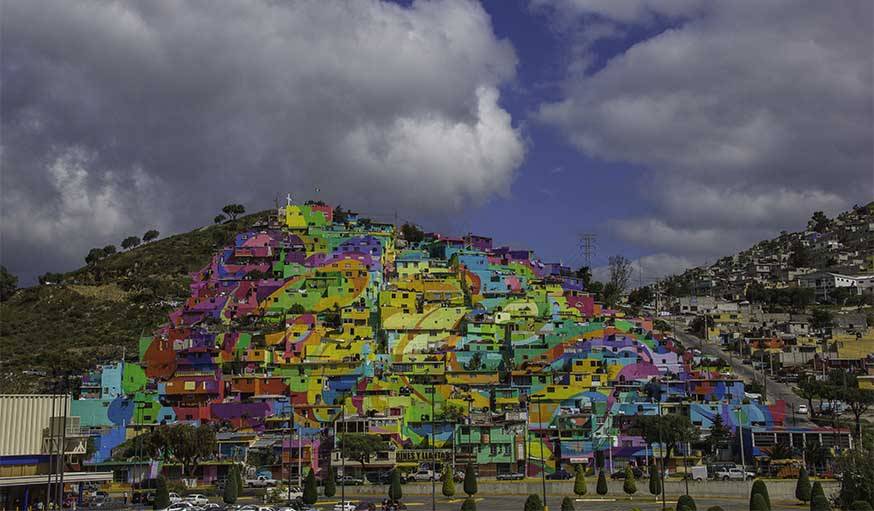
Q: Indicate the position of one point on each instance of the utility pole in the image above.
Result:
(588, 247)
(433, 457)
(542, 454)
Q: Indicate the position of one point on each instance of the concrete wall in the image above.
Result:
(783, 489)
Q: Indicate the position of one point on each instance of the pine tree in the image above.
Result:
(759, 488)
(533, 503)
(310, 489)
(567, 504)
(580, 481)
(330, 482)
(238, 479)
(820, 503)
(162, 496)
(469, 480)
(686, 503)
(757, 503)
(802, 487)
(448, 484)
(394, 487)
(629, 486)
(601, 487)
(655, 480)
(230, 494)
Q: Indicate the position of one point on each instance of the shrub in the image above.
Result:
(469, 480)
(162, 496)
(629, 486)
(601, 487)
(759, 488)
(802, 487)
(448, 484)
(580, 482)
(394, 488)
(816, 489)
(230, 494)
(533, 503)
(238, 479)
(468, 505)
(860, 505)
(567, 504)
(310, 490)
(330, 482)
(819, 503)
(686, 503)
(757, 503)
(655, 480)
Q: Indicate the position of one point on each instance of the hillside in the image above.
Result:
(99, 311)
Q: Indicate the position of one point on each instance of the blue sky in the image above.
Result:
(677, 131)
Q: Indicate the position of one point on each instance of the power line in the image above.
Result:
(588, 246)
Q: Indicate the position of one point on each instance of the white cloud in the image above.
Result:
(649, 268)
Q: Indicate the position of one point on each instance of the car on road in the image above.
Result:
(198, 499)
(802, 409)
(182, 506)
(559, 475)
(174, 498)
(349, 481)
(734, 474)
(620, 474)
(424, 474)
(344, 506)
(260, 482)
(512, 476)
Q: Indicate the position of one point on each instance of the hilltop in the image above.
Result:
(96, 313)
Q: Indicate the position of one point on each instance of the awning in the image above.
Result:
(69, 477)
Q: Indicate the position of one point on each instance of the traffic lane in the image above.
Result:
(644, 502)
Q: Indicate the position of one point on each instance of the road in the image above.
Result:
(775, 390)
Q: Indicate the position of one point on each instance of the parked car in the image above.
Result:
(620, 474)
(182, 506)
(802, 409)
(175, 498)
(198, 499)
(294, 493)
(560, 475)
(424, 475)
(381, 477)
(260, 482)
(512, 476)
(734, 474)
(349, 481)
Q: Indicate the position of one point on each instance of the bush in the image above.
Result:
(468, 505)
(330, 482)
(629, 486)
(580, 482)
(802, 487)
(686, 503)
(533, 503)
(162, 496)
(759, 488)
(860, 505)
(819, 503)
(567, 504)
(394, 488)
(757, 503)
(601, 487)
(655, 480)
(230, 494)
(816, 489)
(310, 490)
(469, 480)
(448, 483)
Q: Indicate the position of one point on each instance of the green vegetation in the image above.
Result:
(655, 480)
(580, 481)
(857, 481)
(686, 503)
(448, 483)
(310, 490)
(601, 487)
(759, 488)
(629, 486)
(468, 505)
(162, 496)
(470, 480)
(330, 482)
(820, 503)
(394, 488)
(757, 503)
(567, 504)
(533, 503)
(230, 494)
(361, 446)
(8, 284)
(802, 487)
(860, 505)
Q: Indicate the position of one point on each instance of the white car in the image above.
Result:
(344, 506)
(175, 498)
(736, 474)
(295, 493)
(802, 409)
(181, 506)
(197, 499)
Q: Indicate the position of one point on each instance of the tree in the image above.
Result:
(601, 487)
(670, 430)
(629, 486)
(361, 446)
(802, 487)
(567, 504)
(757, 503)
(820, 503)
(232, 210)
(94, 256)
(858, 401)
(533, 503)
(686, 503)
(130, 242)
(580, 481)
(780, 452)
(238, 478)
(759, 488)
(412, 233)
(219, 219)
(394, 488)
(611, 294)
(109, 250)
(819, 222)
(470, 480)
(857, 477)
(162, 496)
(8, 284)
(655, 482)
(229, 496)
(150, 235)
(310, 490)
(800, 257)
(620, 272)
(189, 444)
(641, 296)
(718, 434)
(468, 505)
(821, 320)
(330, 482)
(809, 388)
(448, 482)
(584, 273)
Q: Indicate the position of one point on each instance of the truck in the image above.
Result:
(260, 482)
(734, 474)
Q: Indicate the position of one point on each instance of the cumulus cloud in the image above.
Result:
(161, 112)
(748, 115)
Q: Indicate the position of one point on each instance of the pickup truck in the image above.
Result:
(424, 475)
(260, 482)
(736, 474)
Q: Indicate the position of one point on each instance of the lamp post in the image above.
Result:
(542, 454)
(433, 460)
